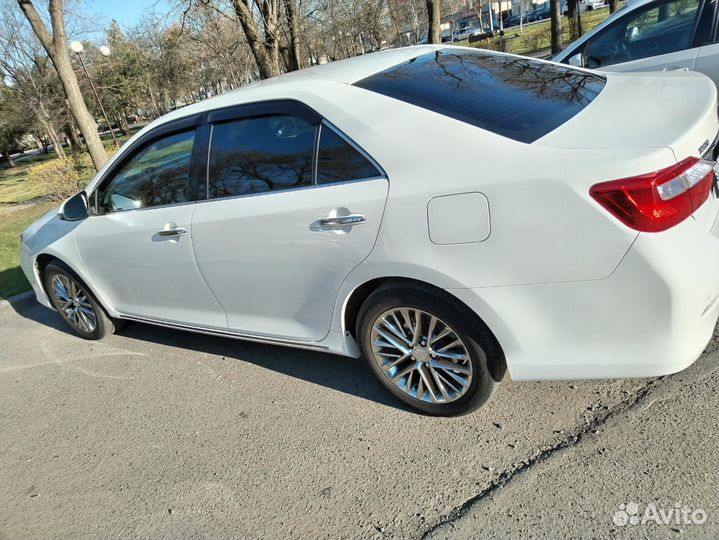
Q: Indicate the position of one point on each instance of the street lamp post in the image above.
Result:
(77, 48)
(105, 51)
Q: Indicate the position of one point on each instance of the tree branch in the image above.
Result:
(37, 24)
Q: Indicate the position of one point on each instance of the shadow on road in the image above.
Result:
(344, 374)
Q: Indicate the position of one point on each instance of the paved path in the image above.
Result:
(157, 433)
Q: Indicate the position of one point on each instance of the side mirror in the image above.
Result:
(576, 60)
(75, 208)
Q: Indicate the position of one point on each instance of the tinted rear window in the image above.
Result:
(518, 98)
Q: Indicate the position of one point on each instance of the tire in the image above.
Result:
(81, 302)
(477, 346)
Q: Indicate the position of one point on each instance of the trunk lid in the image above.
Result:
(677, 110)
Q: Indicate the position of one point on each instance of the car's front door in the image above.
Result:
(292, 207)
(657, 37)
(137, 248)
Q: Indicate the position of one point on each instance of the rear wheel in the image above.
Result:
(75, 303)
(427, 349)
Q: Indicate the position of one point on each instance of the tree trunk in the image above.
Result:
(44, 119)
(122, 122)
(434, 33)
(580, 28)
(294, 26)
(71, 131)
(40, 143)
(57, 49)
(265, 51)
(556, 16)
(85, 121)
(478, 10)
(152, 96)
(6, 153)
(56, 143)
(613, 5)
(70, 143)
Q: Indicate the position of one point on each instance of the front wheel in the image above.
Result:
(75, 303)
(427, 349)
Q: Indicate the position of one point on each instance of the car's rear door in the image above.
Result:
(291, 208)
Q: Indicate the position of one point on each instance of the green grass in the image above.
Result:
(12, 223)
(527, 41)
(14, 187)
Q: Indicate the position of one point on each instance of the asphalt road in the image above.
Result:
(157, 433)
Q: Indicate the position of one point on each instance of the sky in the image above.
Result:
(126, 12)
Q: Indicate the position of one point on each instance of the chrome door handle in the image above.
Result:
(342, 221)
(178, 231)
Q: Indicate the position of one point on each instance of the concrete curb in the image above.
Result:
(19, 301)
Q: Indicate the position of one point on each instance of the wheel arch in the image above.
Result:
(357, 297)
(42, 260)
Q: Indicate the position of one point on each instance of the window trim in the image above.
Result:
(620, 20)
(382, 173)
(203, 138)
(715, 21)
(168, 129)
(315, 154)
(203, 124)
(270, 107)
(708, 11)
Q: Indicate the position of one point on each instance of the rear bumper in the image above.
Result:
(653, 316)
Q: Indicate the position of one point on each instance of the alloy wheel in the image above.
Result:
(421, 355)
(74, 303)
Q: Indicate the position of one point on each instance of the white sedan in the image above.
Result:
(447, 213)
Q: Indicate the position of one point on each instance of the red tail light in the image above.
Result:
(657, 201)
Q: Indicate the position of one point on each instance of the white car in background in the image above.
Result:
(447, 213)
(583, 5)
(591, 5)
(652, 35)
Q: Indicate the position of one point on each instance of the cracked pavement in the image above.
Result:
(158, 433)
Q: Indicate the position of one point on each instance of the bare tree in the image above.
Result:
(12, 114)
(293, 25)
(613, 5)
(575, 20)
(23, 64)
(556, 17)
(434, 33)
(218, 47)
(56, 47)
(262, 41)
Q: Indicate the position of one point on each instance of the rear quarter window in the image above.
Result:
(518, 98)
